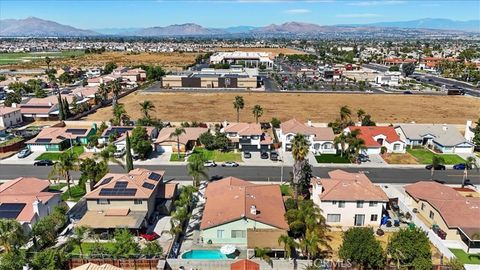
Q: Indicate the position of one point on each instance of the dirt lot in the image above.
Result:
(394, 158)
(274, 51)
(171, 61)
(315, 107)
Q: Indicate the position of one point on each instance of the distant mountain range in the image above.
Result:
(36, 27)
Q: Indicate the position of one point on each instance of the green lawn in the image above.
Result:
(57, 187)
(87, 248)
(218, 156)
(425, 156)
(286, 190)
(466, 258)
(77, 194)
(56, 155)
(177, 157)
(11, 141)
(331, 158)
(14, 58)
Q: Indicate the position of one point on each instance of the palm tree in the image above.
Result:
(176, 133)
(48, 61)
(360, 114)
(238, 105)
(310, 245)
(355, 144)
(342, 141)
(257, 112)
(79, 234)
(146, 107)
(106, 156)
(436, 161)
(470, 163)
(345, 113)
(262, 253)
(68, 162)
(103, 91)
(11, 235)
(119, 115)
(299, 152)
(196, 169)
(116, 88)
(289, 244)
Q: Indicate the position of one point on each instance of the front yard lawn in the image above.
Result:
(11, 141)
(286, 190)
(57, 187)
(425, 156)
(56, 155)
(88, 247)
(77, 194)
(332, 158)
(466, 258)
(218, 156)
(397, 158)
(177, 157)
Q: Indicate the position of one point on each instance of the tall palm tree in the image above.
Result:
(262, 253)
(257, 112)
(106, 156)
(115, 88)
(289, 244)
(176, 133)
(68, 162)
(79, 233)
(11, 235)
(436, 161)
(342, 141)
(299, 151)
(238, 105)
(119, 114)
(196, 169)
(360, 114)
(146, 107)
(345, 113)
(470, 163)
(103, 91)
(355, 144)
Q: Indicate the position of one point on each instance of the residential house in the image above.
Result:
(320, 139)
(376, 138)
(132, 200)
(41, 108)
(119, 134)
(244, 264)
(165, 143)
(444, 138)
(444, 206)
(27, 199)
(398, 61)
(469, 132)
(248, 137)
(349, 199)
(93, 72)
(235, 208)
(85, 94)
(58, 138)
(10, 117)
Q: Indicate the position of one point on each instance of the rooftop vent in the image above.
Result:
(253, 210)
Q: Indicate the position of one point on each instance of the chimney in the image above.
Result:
(253, 210)
(88, 186)
(309, 123)
(14, 105)
(36, 207)
(467, 126)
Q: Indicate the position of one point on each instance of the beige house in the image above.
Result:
(165, 143)
(443, 206)
(10, 117)
(127, 200)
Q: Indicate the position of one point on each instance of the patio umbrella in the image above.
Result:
(228, 249)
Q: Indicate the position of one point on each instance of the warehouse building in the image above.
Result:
(247, 59)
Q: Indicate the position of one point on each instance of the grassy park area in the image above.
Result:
(218, 156)
(466, 258)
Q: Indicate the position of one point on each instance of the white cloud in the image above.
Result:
(359, 15)
(297, 11)
(376, 3)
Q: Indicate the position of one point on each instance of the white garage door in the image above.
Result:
(164, 149)
(37, 148)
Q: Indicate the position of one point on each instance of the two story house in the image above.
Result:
(248, 137)
(349, 199)
(320, 139)
(377, 137)
(128, 200)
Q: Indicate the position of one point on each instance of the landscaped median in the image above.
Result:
(215, 155)
(56, 155)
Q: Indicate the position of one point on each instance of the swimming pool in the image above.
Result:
(204, 254)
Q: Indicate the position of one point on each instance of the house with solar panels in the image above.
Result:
(27, 200)
(58, 138)
(133, 200)
(119, 133)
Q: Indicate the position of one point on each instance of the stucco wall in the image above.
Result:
(241, 224)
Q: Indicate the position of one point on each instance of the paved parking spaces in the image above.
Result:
(255, 160)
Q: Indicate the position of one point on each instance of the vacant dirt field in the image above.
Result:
(274, 51)
(315, 107)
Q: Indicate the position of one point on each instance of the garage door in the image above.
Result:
(37, 148)
(249, 148)
(164, 149)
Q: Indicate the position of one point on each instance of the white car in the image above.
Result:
(119, 153)
(24, 153)
(210, 163)
(230, 164)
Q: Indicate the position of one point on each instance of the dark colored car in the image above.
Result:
(247, 155)
(149, 236)
(439, 167)
(43, 163)
(264, 155)
(408, 92)
(461, 166)
(274, 156)
(363, 158)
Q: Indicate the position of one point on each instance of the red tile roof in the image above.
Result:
(244, 264)
(368, 134)
(295, 126)
(244, 129)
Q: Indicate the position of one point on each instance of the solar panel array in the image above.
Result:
(118, 192)
(76, 131)
(148, 185)
(106, 181)
(43, 140)
(121, 185)
(11, 210)
(120, 131)
(154, 176)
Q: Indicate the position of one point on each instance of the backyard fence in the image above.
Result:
(12, 147)
(127, 264)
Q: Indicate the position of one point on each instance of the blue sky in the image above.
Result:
(223, 13)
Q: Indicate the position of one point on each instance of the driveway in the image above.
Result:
(29, 160)
(255, 160)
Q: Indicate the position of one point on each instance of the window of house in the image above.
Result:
(396, 147)
(373, 217)
(136, 201)
(103, 201)
(423, 206)
(341, 204)
(238, 234)
(371, 204)
(359, 204)
(333, 217)
(432, 215)
(220, 233)
(334, 202)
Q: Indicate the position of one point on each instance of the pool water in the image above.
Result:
(204, 254)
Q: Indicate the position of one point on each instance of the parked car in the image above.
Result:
(274, 156)
(439, 167)
(210, 163)
(461, 166)
(149, 236)
(119, 153)
(247, 154)
(45, 162)
(264, 155)
(363, 158)
(230, 164)
(24, 153)
(407, 92)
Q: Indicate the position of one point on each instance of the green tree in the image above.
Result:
(66, 109)
(238, 104)
(115, 88)
(124, 245)
(289, 244)
(408, 69)
(107, 155)
(40, 93)
(14, 260)
(49, 259)
(257, 112)
(146, 107)
(299, 151)
(11, 235)
(92, 170)
(355, 144)
(128, 155)
(196, 169)
(476, 132)
(119, 115)
(436, 161)
(367, 121)
(361, 114)
(68, 162)
(103, 91)
(221, 141)
(345, 113)
(207, 139)
(44, 232)
(470, 163)
(11, 98)
(61, 112)
(79, 233)
(275, 122)
(406, 245)
(455, 264)
(140, 142)
(262, 253)
(394, 68)
(341, 141)
(65, 78)
(177, 133)
(360, 247)
(152, 249)
(422, 263)
(109, 67)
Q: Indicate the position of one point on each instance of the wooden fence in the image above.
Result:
(12, 147)
(127, 264)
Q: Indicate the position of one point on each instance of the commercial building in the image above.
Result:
(247, 59)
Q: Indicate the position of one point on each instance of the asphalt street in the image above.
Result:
(266, 173)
